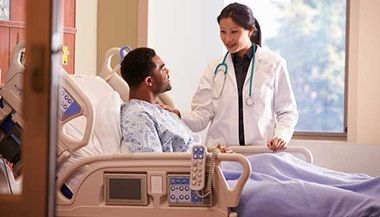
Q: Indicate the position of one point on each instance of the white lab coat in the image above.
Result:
(274, 112)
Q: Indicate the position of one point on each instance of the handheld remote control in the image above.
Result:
(198, 167)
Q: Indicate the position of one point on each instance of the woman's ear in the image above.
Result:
(251, 31)
(148, 81)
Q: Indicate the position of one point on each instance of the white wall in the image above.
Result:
(343, 156)
(185, 34)
(364, 73)
(86, 36)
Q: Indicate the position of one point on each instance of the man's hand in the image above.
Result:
(276, 144)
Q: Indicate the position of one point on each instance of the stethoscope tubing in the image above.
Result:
(249, 100)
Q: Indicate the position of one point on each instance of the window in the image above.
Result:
(311, 36)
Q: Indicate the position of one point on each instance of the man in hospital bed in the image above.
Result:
(280, 184)
(146, 127)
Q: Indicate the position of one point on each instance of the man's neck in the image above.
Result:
(142, 95)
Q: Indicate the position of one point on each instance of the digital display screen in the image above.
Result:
(122, 188)
(125, 189)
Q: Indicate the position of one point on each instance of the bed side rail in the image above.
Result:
(257, 149)
(232, 196)
(143, 160)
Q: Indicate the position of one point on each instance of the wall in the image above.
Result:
(97, 31)
(185, 35)
(86, 36)
(364, 76)
(343, 156)
(117, 25)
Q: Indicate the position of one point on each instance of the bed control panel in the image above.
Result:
(180, 194)
(68, 106)
(198, 167)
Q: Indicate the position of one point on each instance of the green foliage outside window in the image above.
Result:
(311, 37)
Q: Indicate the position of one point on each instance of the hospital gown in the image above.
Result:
(147, 127)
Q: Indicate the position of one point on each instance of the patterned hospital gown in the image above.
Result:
(147, 127)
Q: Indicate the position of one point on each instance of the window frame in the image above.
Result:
(342, 136)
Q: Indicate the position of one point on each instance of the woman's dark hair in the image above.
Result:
(137, 65)
(243, 16)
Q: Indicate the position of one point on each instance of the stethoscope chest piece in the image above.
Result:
(249, 101)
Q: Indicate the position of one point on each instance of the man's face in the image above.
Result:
(160, 77)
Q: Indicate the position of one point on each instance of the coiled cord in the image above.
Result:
(211, 173)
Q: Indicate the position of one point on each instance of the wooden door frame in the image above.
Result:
(39, 136)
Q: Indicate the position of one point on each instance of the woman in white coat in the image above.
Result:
(246, 96)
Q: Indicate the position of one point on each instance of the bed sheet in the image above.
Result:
(283, 185)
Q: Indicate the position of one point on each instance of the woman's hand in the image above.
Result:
(276, 144)
(223, 149)
(171, 109)
(219, 148)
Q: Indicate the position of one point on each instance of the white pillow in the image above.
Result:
(106, 137)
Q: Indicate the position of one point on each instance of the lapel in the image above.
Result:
(258, 57)
(231, 72)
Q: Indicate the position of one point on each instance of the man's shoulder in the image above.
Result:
(131, 108)
(130, 105)
(136, 109)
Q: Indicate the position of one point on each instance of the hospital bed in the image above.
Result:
(141, 184)
(11, 124)
(148, 183)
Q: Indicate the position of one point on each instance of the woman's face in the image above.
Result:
(235, 38)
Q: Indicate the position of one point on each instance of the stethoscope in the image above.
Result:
(223, 67)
